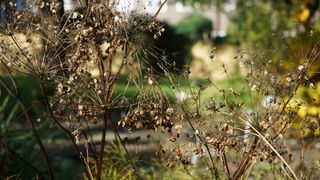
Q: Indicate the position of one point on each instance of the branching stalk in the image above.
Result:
(43, 92)
(28, 118)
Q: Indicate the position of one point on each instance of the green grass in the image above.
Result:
(132, 88)
(31, 95)
(163, 84)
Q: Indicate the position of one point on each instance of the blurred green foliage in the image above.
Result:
(17, 144)
(30, 94)
(283, 32)
(194, 26)
(203, 2)
(170, 51)
(256, 23)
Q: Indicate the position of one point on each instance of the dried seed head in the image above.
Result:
(301, 67)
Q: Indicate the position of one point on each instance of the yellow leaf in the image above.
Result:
(312, 110)
(304, 15)
(302, 112)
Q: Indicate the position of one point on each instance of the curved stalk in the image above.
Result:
(16, 95)
(43, 92)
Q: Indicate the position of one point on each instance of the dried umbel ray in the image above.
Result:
(59, 46)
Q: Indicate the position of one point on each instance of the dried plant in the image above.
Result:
(66, 48)
(253, 128)
(79, 52)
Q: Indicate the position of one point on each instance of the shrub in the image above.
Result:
(195, 27)
(172, 47)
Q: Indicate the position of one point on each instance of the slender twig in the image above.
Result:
(226, 165)
(26, 162)
(90, 142)
(159, 9)
(125, 148)
(246, 161)
(213, 169)
(274, 150)
(28, 118)
(37, 136)
(113, 82)
(103, 142)
(43, 92)
(154, 16)
(102, 70)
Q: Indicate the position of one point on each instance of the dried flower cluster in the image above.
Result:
(149, 116)
(84, 53)
(254, 129)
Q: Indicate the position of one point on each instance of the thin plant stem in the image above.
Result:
(274, 150)
(29, 121)
(213, 169)
(125, 148)
(103, 142)
(246, 161)
(43, 92)
(225, 162)
(26, 162)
